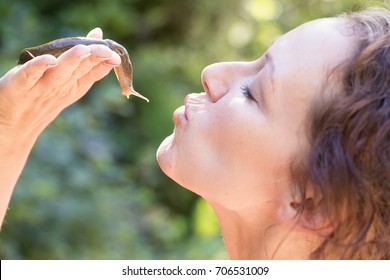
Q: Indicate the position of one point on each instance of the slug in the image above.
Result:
(124, 72)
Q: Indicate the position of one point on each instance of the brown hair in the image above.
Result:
(348, 162)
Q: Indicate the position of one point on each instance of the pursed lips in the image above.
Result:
(195, 100)
(191, 101)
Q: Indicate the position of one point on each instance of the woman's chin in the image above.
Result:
(163, 153)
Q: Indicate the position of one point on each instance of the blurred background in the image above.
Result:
(92, 188)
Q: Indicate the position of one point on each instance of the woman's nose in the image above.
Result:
(217, 79)
(220, 78)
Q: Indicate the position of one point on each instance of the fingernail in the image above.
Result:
(49, 65)
(84, 56)
(97, 29)
(103, 58)
(111, 64)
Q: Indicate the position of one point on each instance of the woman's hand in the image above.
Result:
(33, 94)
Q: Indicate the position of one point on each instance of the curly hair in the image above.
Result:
(347, 164)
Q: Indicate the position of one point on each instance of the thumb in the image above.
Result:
(95, 33)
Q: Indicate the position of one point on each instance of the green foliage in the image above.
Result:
(92, 188)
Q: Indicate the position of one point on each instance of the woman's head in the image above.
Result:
(245, 144)
(347, 164)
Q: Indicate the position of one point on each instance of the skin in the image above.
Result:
(32, 95)
(235, 151)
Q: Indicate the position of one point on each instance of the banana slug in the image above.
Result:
(124, 72)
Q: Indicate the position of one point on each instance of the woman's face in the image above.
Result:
(233, 143)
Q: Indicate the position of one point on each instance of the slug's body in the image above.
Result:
(124, 72)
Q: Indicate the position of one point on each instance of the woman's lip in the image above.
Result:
(179, 116)
(186, 99)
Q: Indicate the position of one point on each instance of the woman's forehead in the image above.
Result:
(301, 62)
(321, 34)
(316, 46)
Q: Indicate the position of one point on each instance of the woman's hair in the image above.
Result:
(347, 164)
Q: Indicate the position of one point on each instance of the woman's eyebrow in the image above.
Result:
(269, 64)
(270, 61)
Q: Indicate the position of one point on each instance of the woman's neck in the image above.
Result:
(252, 234)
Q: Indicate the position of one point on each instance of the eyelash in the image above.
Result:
(246, 91)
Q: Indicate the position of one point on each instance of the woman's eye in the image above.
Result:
(246, 91)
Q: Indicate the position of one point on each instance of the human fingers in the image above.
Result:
(67, 78)
(99, 71)
(67, 63)
(102, 59)
(95, 33)
(24, 77)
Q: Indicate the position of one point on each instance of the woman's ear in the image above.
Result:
(309, 215)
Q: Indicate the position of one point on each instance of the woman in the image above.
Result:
(31, 97)
(292, 150)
